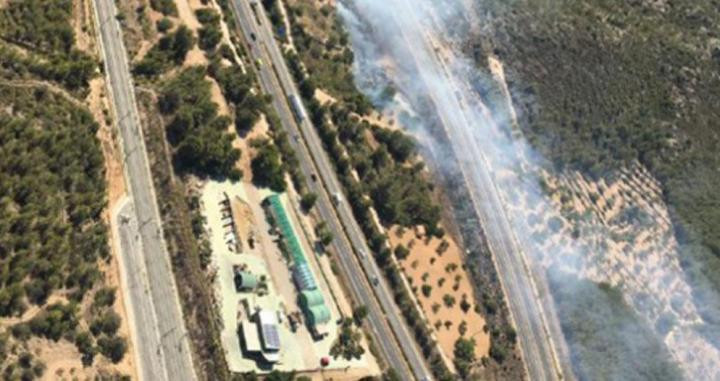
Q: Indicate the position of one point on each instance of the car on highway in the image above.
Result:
(337, 198)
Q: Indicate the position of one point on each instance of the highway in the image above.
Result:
(454, 106)
(385, 320)
(161, 344)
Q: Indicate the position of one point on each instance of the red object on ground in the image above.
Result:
(324, 361)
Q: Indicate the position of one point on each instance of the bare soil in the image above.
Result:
(425, 265)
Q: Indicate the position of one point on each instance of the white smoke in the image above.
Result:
(415, 46)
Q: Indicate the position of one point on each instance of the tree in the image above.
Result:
(107, 323)
(84, 344)
(113, 347)
(347, 345)
(390, 375)
(323, 233)
(307, 88)
(164, 24)
(464, 356)
(359, 314)
(182, 42)
(207, 16)
(449, 300)
(208, 37)
(401, 252)
(426, 290)
(166, 7)
(104, 297)
(267, 168)
(308, 201)
(245, 119)
(464, 304)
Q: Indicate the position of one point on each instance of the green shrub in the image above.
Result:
(164, 24)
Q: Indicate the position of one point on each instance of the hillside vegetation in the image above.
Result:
(52, 196)
(603, 83)
(43, 43)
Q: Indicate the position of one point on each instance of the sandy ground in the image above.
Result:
(324, 98)
(82, 16)
(426, 267)
(217, 97)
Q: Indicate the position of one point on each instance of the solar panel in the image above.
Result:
(271, 337)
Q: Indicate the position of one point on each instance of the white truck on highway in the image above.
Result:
(297, 107)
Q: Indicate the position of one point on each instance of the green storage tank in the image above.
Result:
(311, 298)
(318, 315)
(245, 281)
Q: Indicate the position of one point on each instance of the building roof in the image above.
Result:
(250, 336)
(267, 323)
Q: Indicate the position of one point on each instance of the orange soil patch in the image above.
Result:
(217, 96)
(187, 14)
(445, 274)
(82, 18)
(97, 102)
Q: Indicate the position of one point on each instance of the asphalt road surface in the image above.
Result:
(161, 342)
(527, 310)
(384, 319)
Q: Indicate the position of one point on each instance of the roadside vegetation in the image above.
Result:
(642, 87)
(53, 240)
(168, 52)
(380, 169)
